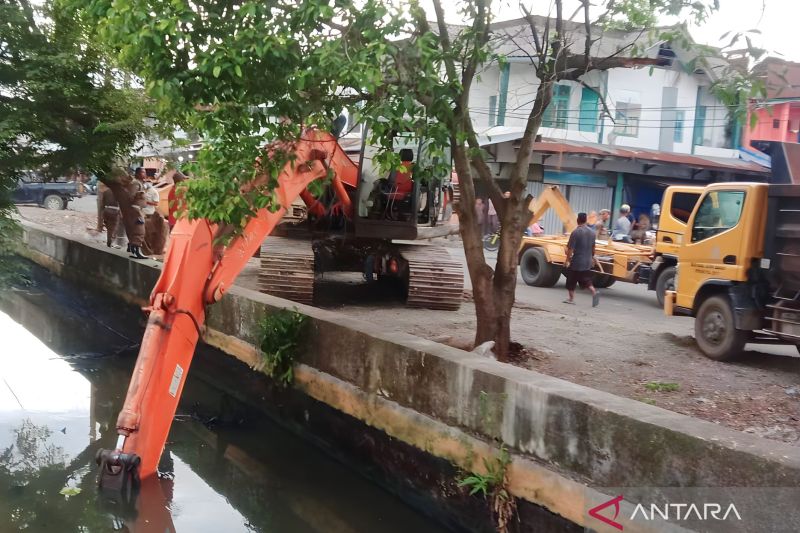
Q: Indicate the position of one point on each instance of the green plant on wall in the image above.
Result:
(494, 486)
(280, 337)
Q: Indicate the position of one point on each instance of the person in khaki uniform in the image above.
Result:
(134, 218)
(110, 215)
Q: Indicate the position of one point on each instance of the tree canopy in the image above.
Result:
(247, 71)
(63, 107)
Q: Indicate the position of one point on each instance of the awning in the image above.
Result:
(648, 157)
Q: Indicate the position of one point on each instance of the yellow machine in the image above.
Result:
(676, 208)
(541, 259)
(739, 267)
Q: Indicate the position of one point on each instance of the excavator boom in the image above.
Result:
(551, 198)
(194, 276)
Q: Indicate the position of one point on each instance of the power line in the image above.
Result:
(483, 110)
(584, 123)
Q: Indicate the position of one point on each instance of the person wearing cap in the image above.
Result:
(622, 226)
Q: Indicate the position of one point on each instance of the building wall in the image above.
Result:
(778, 122)
(632, 86)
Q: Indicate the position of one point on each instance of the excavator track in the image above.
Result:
(287, 269)
(435, 280)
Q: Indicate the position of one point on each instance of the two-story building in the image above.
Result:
(777, 115)
(622, 134)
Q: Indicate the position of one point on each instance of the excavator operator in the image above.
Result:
(394, 193)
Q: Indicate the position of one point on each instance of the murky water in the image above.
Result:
(65, 360)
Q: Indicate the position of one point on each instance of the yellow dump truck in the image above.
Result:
(541, 259)
(739, 267)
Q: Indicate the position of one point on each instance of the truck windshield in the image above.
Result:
(719, 211)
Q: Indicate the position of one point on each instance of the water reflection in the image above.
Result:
(62, 389)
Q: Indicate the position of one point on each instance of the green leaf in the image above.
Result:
(217, 71)
(70, 491)
(238, 70)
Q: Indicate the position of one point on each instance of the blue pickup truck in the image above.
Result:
(47, 194)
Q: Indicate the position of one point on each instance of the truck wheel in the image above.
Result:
(53, 201)
(602, 281)
(715, 332)
(536, 270)
(664, 283)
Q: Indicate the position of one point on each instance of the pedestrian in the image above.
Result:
(580, 259)
(479, 218)
(175, 198)
(639, 233)
(155, 229)
(101, 188)
(591, 220)
(601, 227)
(492, 217)
(622, 226)
(110, 216)
(134, 218)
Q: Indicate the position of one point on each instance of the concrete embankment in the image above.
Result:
(453, 409)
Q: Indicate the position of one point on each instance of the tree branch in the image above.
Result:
(479, 164)
(444, 39)
(532, 23)
(481, 28)
(587, 25)
(601, 98)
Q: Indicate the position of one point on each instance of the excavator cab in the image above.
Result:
(394, 203)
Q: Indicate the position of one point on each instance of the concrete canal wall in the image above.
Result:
(457, 408)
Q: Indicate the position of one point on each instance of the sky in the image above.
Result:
(775, 19)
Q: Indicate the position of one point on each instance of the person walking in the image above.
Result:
(580, 258)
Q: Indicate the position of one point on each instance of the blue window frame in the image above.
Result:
(556, 114)
(680, 116)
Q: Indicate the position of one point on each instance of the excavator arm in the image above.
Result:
(194, 276)
(551, 198)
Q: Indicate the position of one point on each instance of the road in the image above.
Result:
(84, 204)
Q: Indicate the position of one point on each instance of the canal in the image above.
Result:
(65, 361)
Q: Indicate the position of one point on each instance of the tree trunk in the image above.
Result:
(480, 273)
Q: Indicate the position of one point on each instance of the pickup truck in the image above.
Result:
(50, 195)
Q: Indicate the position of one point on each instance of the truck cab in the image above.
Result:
(737, 274)
(676, 208)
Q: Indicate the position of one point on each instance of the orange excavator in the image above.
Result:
(197, 273)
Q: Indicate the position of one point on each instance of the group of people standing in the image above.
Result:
(625, 227)
(142, 226)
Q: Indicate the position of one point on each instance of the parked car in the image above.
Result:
(51, 195)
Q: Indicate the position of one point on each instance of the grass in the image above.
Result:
(660, 386)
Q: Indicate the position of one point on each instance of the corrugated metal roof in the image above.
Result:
(646, 156)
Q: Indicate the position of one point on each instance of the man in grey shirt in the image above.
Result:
(580, 259)
(622, 226)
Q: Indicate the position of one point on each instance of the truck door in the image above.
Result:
(714, 243)
(20, 194)
(676, 209)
